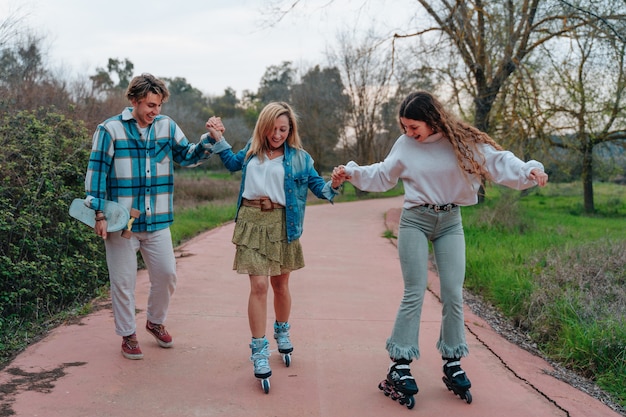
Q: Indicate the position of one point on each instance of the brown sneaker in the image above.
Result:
(130, 347)
(161, 335)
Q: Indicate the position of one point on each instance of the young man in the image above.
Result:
(132, 163)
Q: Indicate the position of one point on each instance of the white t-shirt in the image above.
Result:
(265, 179)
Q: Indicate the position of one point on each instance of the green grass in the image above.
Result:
(192, 221)
(557, 274)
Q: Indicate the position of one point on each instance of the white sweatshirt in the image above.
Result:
(431, 174)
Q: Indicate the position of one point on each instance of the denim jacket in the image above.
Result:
(300, 176)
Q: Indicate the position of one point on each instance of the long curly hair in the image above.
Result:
(423, 106)
(265, 127)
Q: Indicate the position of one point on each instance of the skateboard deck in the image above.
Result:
(118, 217)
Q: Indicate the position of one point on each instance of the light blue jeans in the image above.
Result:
(444, 229)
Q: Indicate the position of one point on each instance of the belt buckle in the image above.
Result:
(266, 204)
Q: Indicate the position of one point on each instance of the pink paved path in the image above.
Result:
(345, 302)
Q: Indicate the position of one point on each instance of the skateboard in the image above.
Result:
(117, 216)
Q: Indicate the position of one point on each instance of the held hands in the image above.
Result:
(540, 177)
(215, 127)
(339, 176)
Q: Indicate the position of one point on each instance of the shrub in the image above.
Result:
(49, 262)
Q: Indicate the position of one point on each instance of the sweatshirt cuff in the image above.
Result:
(350, 167)
(529, 166)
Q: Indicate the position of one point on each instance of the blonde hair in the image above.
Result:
(265, 127)
(424, 107)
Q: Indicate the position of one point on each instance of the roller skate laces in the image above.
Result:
(281, 334)
(400, 385)
(130, 347)
(161, 335)
(456, 380)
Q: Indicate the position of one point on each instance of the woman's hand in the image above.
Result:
(540, 177)
(339, 176)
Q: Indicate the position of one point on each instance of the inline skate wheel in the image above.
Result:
(382, 388)
(265, 384)
(410, 402)
(287, 359)
(468, 397)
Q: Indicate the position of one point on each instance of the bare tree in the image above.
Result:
(570, 96)
(9, 28)
(589, 103)
(485, 41)
(367, 78)
(491, 39)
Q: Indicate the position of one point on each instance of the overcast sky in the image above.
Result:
(214, 44)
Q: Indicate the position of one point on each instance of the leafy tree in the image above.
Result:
(227, 105)
(187, 106)
(323, 107)
(25, 83)
(103, 80)
(276, 83)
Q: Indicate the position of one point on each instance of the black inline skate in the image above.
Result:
(455, 379)
(400, 384)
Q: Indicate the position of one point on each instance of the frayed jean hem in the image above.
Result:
(459, 351)
(402, 352)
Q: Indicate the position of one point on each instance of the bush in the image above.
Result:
(49, 262)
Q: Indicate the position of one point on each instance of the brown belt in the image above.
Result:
(264, 203)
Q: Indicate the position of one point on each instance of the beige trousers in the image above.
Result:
(158, 254)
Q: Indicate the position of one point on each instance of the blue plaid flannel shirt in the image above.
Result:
(138, 171)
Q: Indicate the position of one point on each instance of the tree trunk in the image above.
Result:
(481, 122)
(587, 178)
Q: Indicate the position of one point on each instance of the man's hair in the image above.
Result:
(143, 84)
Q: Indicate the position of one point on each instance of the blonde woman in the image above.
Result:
(441, 162)
(276, 176)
